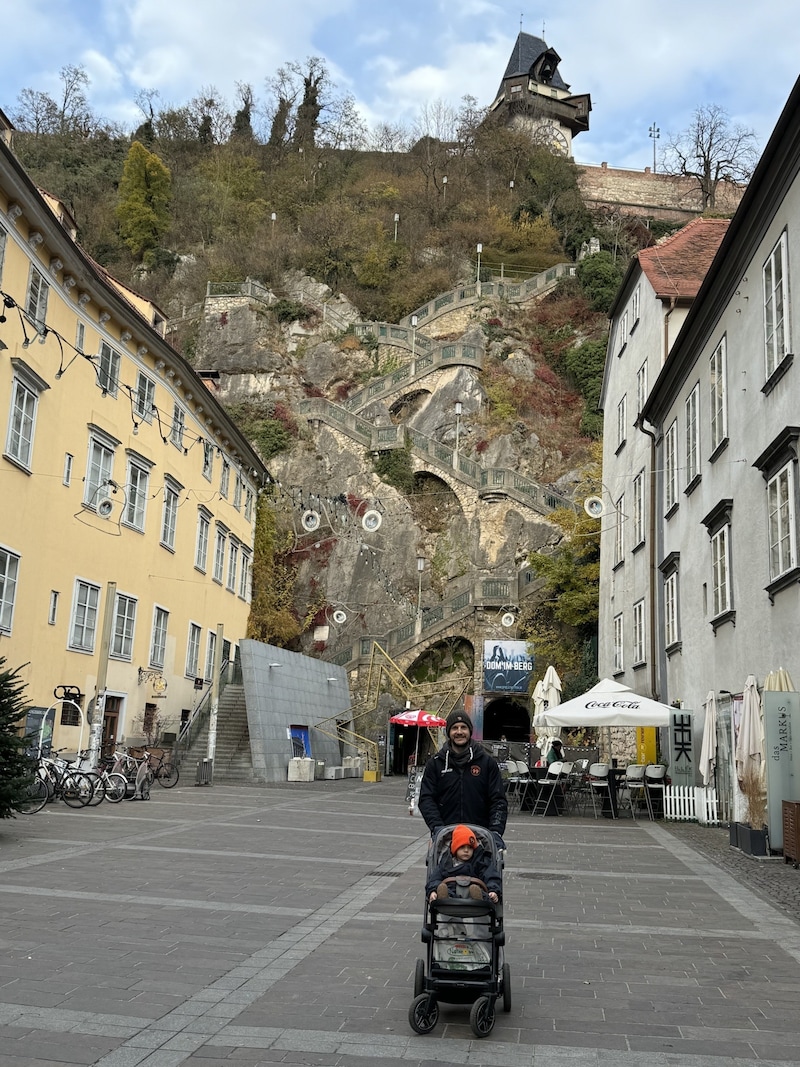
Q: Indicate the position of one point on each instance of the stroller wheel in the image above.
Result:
(423, 1014)
(482, 1016)
(506, 988)
(419, 978)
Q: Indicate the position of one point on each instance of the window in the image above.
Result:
(224, 479)
(638, 509)
(158, 644)
(671, 609)
(237, 492)
(36, 304)
(208, 459)
(671, 467)
(720, 566)
(124, 624)
(26, 388)
(248, 504)
(136, 492)
(638, 633)
(84, 616)
(719, 414)
(193, 650)
(718, 524)
(692, 436)
(618, 658)
(219, 554)
(244, 577)
(619, 531)
(641, 387)
(68, 461)
(100, 466)
(178, 426)
(233, 562)
(622, 421)
(623, 332)
(211, 649)
(144, 398)
(108, 371)
(52, 614)
(9, 570)
(781, 511)
(635, 303)
(776, 304)
(169, 516)
(201, 547)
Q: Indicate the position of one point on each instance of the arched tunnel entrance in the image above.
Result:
(506, 717)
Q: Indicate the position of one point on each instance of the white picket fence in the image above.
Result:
(690, 803)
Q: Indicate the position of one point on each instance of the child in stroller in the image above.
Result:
(462, 931)
(465, 864)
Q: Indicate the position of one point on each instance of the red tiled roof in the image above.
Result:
(677, 266)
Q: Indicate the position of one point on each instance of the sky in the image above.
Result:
(645, 63)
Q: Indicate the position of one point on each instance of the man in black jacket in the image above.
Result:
(462, 783)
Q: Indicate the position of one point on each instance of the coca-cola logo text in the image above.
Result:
(629, 704)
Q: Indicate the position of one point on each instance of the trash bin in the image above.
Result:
(319, 770)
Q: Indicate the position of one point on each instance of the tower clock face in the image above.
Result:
(551, 137)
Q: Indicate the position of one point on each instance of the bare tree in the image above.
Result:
(711, 151)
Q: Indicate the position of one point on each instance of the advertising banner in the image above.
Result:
(781, 726)
(681, 749)
(507, 666)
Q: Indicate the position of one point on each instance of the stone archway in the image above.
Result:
(506, 716)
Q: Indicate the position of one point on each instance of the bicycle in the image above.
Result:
(166, 773)
(74, 787)
(106, 784)
(34, 797)
(136, 771)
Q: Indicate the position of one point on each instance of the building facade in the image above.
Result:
(649, 311)
(126, 539)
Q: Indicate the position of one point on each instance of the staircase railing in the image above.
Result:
(190, 730)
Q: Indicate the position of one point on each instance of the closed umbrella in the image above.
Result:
(708, 749)
(779, 681)
(749, 751)
(551, 691)
(418, 718)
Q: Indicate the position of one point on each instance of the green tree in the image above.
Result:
(144, 199)
(15, 766)
(272, 618)
(600, 278)
(585, 364)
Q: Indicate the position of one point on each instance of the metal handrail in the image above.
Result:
(194, 723)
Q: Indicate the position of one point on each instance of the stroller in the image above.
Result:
(464, 942)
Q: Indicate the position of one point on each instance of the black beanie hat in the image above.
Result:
(458, 716)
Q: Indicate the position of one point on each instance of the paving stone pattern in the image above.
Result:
(247, 926)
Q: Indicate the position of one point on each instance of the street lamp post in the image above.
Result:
(273, 217)
(396, 220)
(414, 321)
(655, 133)
(458, 431)
(444, 190)
(420, 569)
(478, 276)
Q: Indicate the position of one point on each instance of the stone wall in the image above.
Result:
(658, 196)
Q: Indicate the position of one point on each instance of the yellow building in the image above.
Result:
(129, 496)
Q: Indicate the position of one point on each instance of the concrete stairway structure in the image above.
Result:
(232, 759)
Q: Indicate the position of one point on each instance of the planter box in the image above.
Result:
(733, 829)
(751, 842)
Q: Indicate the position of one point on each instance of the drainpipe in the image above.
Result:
(651, 558)
(667, 317)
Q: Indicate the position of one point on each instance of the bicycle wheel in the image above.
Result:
(98, 788)
(167, 775)
(116, 787)
(34, 797)
(76, 789)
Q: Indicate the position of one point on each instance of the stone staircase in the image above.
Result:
(232, 759)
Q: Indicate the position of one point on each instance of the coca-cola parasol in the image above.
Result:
(417, 718)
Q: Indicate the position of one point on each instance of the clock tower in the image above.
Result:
(534, 97)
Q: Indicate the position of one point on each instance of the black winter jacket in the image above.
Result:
(472, 792)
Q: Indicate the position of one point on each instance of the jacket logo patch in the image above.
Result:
(475, 770)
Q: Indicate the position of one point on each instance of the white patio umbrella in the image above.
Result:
(551, 691)
(708, 749)
(538, 700)
(749, 752)
(780, 681)
(606, 704)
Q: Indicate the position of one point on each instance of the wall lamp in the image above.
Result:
(271, 665)
(333, 680)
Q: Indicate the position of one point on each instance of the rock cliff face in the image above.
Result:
(468, 503)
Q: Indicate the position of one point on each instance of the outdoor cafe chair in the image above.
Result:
(577, 786)
(548, 786)
(601, 787)
(634, 788)
(517, 782)
(655, 788)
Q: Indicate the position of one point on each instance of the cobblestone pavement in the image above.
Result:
(244, 927)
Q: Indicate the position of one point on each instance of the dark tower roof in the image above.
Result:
(531, 56)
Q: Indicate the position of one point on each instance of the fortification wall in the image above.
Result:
(659, 196)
